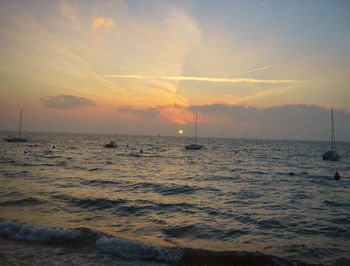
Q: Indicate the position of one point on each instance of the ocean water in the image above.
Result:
(239, 198)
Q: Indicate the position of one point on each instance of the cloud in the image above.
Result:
(281, 122)
(170, 112)
(148, 112)
(65, 101)
(256, 69)
(207, 79)
(103, 22)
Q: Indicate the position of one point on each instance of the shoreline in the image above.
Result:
(18, 252)
(14, 252)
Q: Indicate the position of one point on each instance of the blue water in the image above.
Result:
(275, 197)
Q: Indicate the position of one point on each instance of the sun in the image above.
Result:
(180, 131)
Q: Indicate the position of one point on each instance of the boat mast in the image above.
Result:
(20, 124)
(333, 133)
(196, 129)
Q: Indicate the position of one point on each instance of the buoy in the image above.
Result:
(336, 175)
(54, 147)
(236, 151)
(141, 151)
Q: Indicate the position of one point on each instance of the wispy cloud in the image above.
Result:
(146, 112)
(65, 101)
(256, 69)
(103, 22)
(206, 79)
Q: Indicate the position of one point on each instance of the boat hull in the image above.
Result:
(194, 147)
(111, 145)
(330, 156)
(15, 140)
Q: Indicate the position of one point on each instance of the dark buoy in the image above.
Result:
(336, 175)
(236, 151)
(141, 151)
(53, 147)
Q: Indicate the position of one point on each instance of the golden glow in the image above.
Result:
(103, 22)
(176, 113)
(91, 51)
(180, 131)
(225, 80)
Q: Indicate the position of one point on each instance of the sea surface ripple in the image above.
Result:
(275, 197)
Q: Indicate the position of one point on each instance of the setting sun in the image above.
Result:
(180, 131)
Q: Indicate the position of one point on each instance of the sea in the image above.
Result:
(238, 201)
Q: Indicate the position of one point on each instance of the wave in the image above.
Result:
(21, 202)
(133, 249)
(96, 182)
(134, 154)
(94, 169)
(336, 203)
(34, 164)
(165, 189)
(90, 203)
(34, 233)
(200, 231)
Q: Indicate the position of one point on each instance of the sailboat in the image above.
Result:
(19, 138)
(331, 155)
(195, 146)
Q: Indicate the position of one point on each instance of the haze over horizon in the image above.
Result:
(257, 69)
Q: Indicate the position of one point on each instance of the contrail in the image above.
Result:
(222, 80)
(257, 69)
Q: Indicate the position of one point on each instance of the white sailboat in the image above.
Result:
(195, 146)
(331, 155)
(19, 138)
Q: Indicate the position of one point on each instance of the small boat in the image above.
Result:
(195, 146)
(19, 138)
(331, 155)
(111, 145)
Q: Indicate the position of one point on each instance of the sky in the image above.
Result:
(250, 69)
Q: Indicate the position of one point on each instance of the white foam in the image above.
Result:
(131, 249)
(35, 233)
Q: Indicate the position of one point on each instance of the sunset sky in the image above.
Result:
(259, 69)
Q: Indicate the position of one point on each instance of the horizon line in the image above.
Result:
(158, 135)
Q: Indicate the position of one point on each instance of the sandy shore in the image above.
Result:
(27, 253)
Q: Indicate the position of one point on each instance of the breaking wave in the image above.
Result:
(132, 249)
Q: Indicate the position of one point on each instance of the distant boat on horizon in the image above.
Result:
(195, 146)
(332, 155)
(19, 138)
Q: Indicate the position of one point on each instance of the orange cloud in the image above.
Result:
(103, 22)
(172, 112)
(175, 113)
